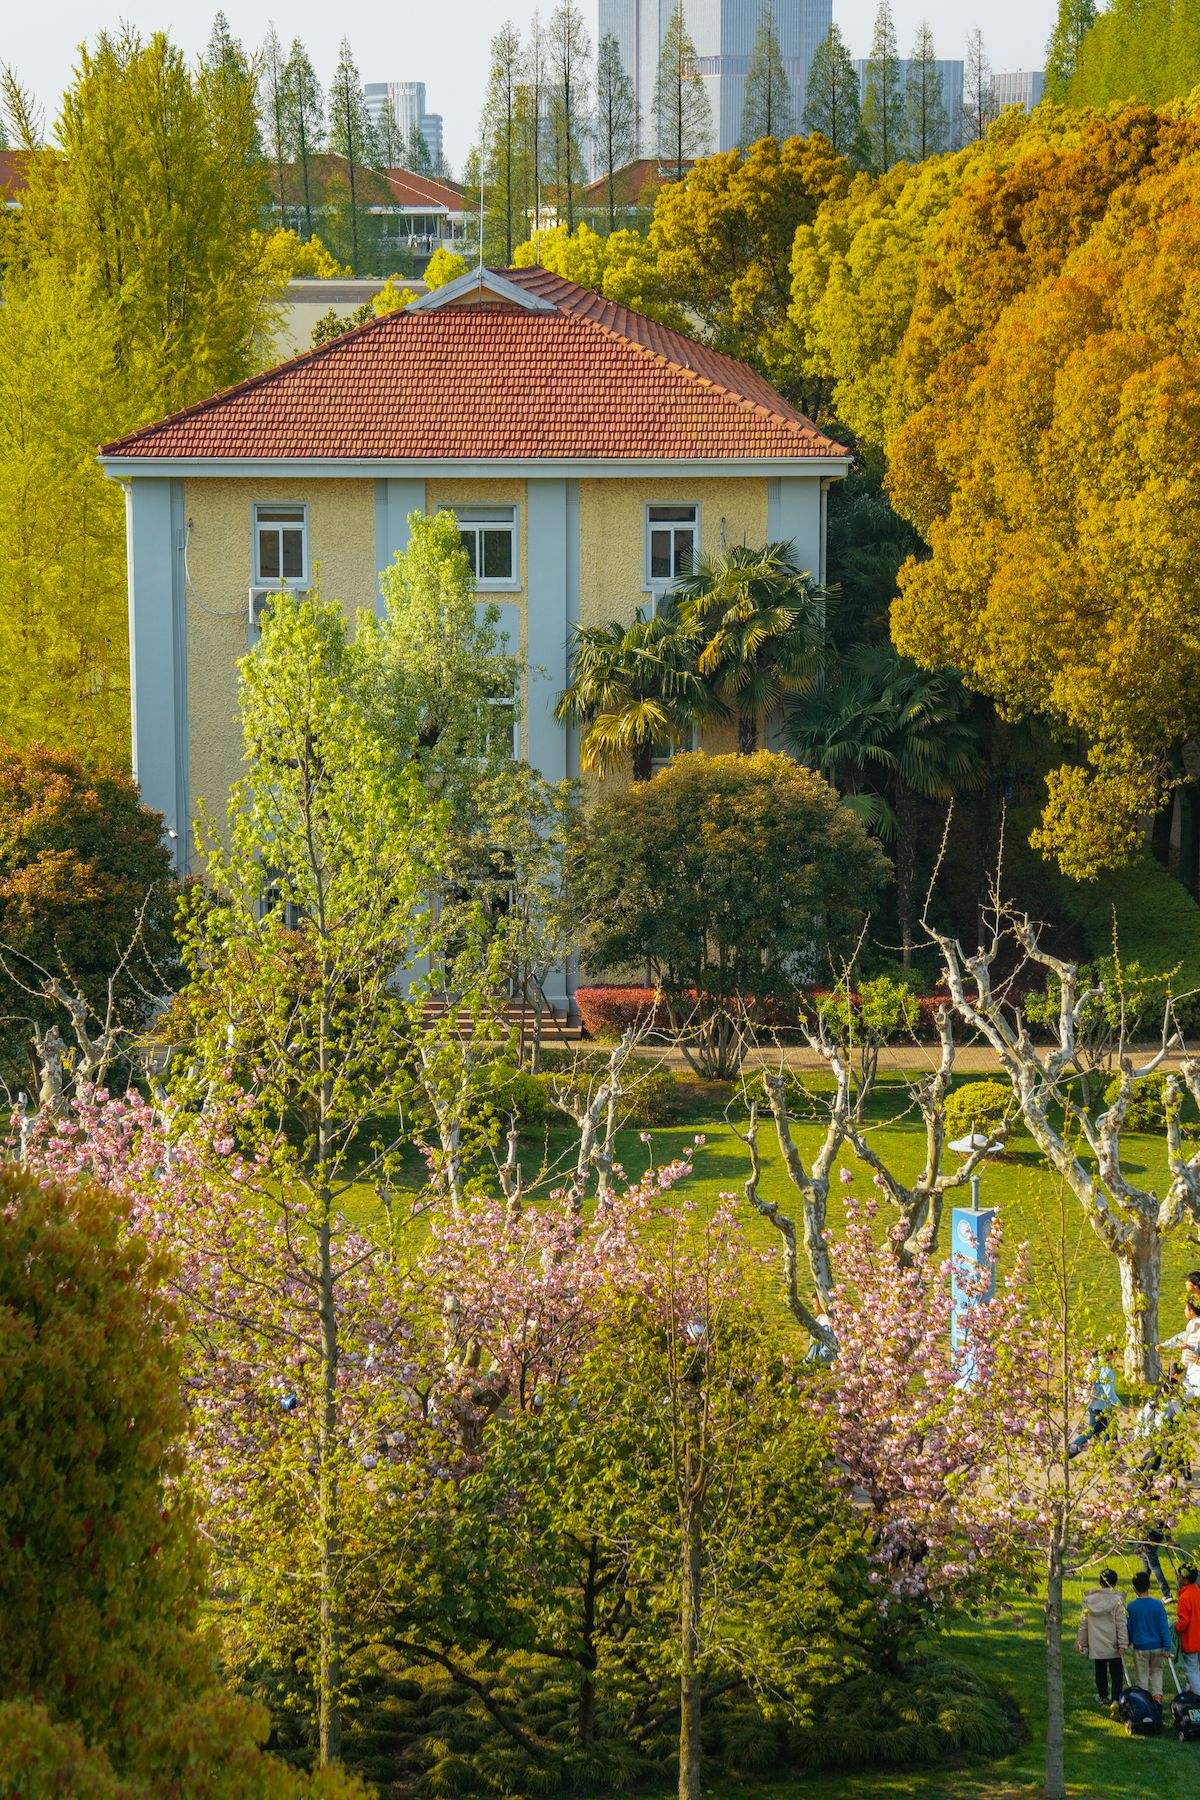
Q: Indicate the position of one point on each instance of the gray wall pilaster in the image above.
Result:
(795, 514)
(154, 539)
(552, 567)
(394, 500)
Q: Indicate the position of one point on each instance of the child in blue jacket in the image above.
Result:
(1149, 1635)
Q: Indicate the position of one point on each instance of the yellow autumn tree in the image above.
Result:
(1055, 472)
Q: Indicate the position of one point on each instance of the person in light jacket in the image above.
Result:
(1103, 1635)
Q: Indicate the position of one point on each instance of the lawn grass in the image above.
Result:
(1033, 1208)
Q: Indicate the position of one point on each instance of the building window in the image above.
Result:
(662, 755)
(489, 537)
(500, 727)
(672, 538)
(281, 546)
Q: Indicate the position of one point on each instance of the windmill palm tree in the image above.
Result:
(889, 735)
(634, 687)
(758, 623)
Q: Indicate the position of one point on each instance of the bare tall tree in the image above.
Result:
(767, 110)
(534, 105)
(306, 120)
(979, 90)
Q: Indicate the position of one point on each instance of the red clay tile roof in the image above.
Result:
(588, 380)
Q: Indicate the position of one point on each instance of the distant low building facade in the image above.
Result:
(1019, 87)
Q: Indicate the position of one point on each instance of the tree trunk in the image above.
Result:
(641, 761)
(906, 858)
(1141, 1285)
(1056, 1775)
(585, 1719)
(747, 734)
(689, 1646)
(1160, 832)
(1188, 867)
(330, 1722)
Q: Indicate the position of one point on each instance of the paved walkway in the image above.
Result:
(906, 1059)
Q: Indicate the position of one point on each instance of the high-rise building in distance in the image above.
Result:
(408, 108)
(723, 32)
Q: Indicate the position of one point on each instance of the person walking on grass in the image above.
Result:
(1104, 1637)
(1149, 1635)
(1187, 1624)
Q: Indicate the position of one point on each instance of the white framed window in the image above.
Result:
(281, 556)
(502, 725)
(672, 532)
(663, 755)
(489, 537)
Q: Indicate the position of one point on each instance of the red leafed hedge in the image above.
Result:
(613, 1008)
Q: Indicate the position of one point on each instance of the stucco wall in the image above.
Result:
(220, 522)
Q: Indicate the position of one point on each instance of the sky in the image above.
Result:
(446, 45)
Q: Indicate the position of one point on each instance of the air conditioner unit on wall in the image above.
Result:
(260, 603)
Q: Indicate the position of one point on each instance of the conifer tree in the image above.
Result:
(832, 105)
(534, 101)
(389, 140)
(617, 125)
(924, 109)
(979, 92)
(569, 50)
(229, 74)
(349, 136)
(500, 146)
(1075, 19)
(416, 152)
(767, 110)
(273, 96)
(306, 120)
(682, 114)
(883, 102)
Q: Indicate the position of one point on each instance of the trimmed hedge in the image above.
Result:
(606, 1011)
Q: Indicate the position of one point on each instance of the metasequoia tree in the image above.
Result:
(767, 110)
(1131, 1221)
(617, 118)
(682, 114)
(832, 105)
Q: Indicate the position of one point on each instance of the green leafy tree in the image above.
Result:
(108, 1689)
(1075, 19)
(635, 688)
(568, 54)
(728, 876)
(230, 74)
(682, 114)
(306, 121)
(924, 106)
(757, 625)
(87, 895)
(130, 323)
(535, 87)
(617, 123)
(832, 105)
(767, 110)
(338, 843)
(350, 138)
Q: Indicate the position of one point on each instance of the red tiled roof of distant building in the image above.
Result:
(12, 171)
(421, 190)
(586, 380)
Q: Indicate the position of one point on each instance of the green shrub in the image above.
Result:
(880, 1008)
(935, 1709)
(1148, 1108)
(507, 1090)
(977, 1106)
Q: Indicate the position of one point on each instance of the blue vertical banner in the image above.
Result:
(969, 1230)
